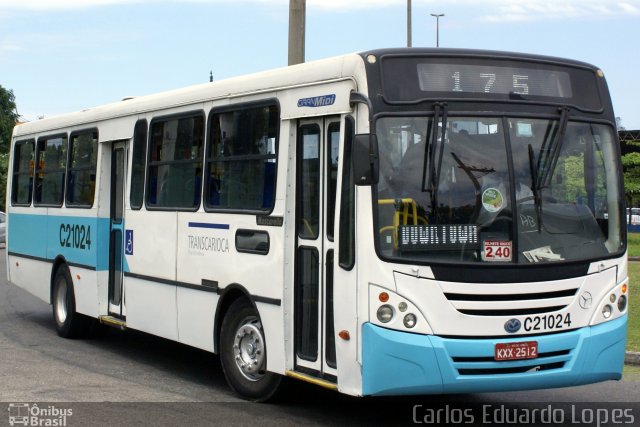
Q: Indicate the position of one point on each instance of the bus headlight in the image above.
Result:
(393, 311)
(622, 302)
(385, 313)
(606, 311)
(410, 320)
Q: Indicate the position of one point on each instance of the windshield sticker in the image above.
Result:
(437, 237)
(496, 250)
(492, 200)
(542, 254)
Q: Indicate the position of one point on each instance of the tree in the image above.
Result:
(631, 169)
(8, 119)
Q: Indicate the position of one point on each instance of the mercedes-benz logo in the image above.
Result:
(585, 300)
(512, 326)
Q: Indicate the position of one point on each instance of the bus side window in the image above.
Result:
(23, 164)
(174, 170)
(81, 177)
(241, 158)
(50, 170)
(138, 160)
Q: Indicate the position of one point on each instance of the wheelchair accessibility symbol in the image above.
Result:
(128, 242)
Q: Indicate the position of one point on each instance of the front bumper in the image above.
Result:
(400, 363)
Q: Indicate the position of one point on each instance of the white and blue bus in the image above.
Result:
(395, 222)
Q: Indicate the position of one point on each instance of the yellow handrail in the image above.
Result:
(401, 211)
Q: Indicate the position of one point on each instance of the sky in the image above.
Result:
(60, 56)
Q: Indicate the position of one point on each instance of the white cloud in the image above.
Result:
(535, 10)
(503, 10)
(630, 8)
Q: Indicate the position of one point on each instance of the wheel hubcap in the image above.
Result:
(61, 302)
(249, 350)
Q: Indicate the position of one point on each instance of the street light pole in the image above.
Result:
(437, 16)
(408, 23)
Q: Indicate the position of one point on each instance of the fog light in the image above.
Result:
(410, 320)
(622, 303)
(385, 313)
(402, 306)
(612, 298)
(606, 311)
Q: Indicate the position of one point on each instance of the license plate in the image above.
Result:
(516, 350)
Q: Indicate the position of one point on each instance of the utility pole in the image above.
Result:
(297, 13)
(408, 23)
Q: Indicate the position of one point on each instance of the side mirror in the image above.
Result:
(366, 164)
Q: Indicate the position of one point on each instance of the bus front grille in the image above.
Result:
(482, 304)
(512, 369)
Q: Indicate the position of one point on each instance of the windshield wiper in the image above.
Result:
(431, 173)
(554, 149)
(537, 200)
(541, 176)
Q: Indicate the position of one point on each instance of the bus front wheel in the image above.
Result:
(243, 353)
(69, 323)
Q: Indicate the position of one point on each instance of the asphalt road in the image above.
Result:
(130, 377)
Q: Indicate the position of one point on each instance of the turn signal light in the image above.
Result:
(383, 297)
(344, 335)
(624, 288)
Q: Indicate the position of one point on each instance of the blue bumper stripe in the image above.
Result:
(396, 363)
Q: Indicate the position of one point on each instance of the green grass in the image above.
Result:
(633, 244)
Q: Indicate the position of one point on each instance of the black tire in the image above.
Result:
(69, 323)
(243, 354)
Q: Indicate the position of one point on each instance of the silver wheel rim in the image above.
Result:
(61, 301)
(249, 350)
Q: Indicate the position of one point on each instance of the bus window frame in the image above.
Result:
(28, 172)
(149, 163)
(267, 102)
(37, 170)
(69, 168)
(145, 143)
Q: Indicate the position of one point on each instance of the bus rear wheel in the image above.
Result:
(69, 323)
(243, 354)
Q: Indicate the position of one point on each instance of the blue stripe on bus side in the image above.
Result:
(208, 225)
(81, 240)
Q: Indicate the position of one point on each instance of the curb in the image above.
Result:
(632, 358)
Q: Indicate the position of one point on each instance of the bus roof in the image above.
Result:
(349, 66)
(315, 72)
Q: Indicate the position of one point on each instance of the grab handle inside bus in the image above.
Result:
(366, 164)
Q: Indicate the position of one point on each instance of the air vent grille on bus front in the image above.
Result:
(481, 304)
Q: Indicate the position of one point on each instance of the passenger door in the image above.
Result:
(116, 232)
(316, 179)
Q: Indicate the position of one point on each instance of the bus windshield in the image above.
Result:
(497, 190)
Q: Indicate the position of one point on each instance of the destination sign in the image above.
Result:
(477, 79)
(418, 78)
(437, 237)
